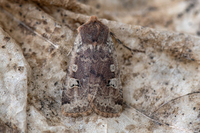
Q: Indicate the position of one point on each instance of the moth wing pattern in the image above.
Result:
(93, 83)
(75, 91)
(105, 94)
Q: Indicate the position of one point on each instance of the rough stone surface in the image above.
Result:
(160, 87)
(13, 85)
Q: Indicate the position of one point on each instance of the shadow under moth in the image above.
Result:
(93, 82)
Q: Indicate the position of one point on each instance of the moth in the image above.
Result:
(93, 81)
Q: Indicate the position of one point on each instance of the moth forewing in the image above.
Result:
(93, 82)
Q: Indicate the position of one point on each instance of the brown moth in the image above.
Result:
(93, 83)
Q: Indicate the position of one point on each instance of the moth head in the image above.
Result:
(93, 32)
(93, 18)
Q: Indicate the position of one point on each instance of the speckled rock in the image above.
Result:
(13, 86)
(160, 87)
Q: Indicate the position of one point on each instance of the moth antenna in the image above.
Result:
(23, 24)
(36, 33)
(120, 42)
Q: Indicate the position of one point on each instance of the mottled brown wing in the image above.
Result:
(75, 92)
(105, 92)
(93, 82)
